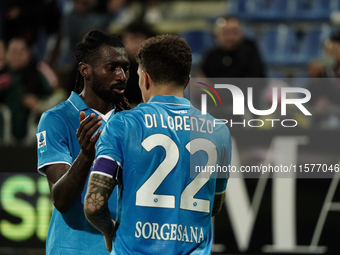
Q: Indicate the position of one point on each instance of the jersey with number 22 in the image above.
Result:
(165, 194)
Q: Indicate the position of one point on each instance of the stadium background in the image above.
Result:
(260, 216)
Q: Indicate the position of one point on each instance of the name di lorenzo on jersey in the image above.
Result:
(179, 122)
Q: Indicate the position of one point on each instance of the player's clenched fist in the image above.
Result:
(85, 133)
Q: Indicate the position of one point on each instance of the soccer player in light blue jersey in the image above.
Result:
(152, 152)
(66, 141)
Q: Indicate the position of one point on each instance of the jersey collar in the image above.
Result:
(77, 102)
(172, 100)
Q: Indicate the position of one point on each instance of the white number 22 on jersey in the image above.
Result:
(145, 195)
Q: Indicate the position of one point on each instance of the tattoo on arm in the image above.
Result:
(96, 208)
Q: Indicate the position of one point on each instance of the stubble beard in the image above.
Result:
(106, 92)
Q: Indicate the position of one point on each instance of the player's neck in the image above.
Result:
(95, 102)
(167, 91)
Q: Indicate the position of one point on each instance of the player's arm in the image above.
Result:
(218, 202)
(222, 177)
(96, 207)
(100, 186)
(67, 182)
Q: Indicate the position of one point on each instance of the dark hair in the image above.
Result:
(88, 52)
(166, 58)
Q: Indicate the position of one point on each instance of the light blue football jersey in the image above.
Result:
(165, 207)
(68, 233)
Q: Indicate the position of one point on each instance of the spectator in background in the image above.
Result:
(29, 19)
(325, 92)
(133, 35)
(23, 18)
(329, 64)
(28, 86)
(235, 56)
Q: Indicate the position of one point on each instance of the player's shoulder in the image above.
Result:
(219, 127)
(60, 111)
(124, 116)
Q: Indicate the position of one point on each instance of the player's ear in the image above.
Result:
(84, 70)
(147, 80)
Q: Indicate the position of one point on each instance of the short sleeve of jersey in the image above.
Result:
(52, 136)
(225, 161)
(111, 139)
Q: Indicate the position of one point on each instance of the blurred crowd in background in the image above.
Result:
(284, 41)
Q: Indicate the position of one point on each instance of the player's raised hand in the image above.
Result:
(85, 133)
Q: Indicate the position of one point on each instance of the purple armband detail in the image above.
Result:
(105, 166)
